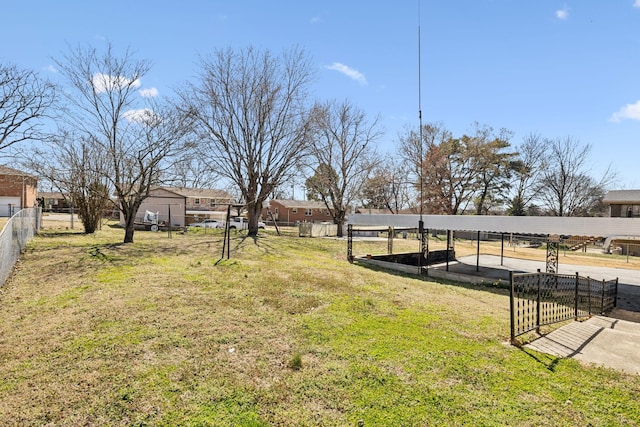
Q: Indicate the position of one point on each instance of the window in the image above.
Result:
(212, 203)
(308, 212)
(328, 212)
(294, 210)
(276, 210)
(197, 201)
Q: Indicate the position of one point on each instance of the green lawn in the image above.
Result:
(286, 332)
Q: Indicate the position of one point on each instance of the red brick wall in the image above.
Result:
(12, 186)
(287, 215)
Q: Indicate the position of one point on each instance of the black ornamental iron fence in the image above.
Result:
(539, 299)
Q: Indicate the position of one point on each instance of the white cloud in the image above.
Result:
(317, 19)
(104, 82)
(148, 93)
(637, 4)
(629, 111)
(349, 72)
(139, 116)
(562, 13)
(52, 69)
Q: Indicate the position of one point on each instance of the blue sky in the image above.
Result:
(556, 68)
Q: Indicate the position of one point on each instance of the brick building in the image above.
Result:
(290, 212)
(17, 190)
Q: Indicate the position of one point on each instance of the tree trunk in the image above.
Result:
(340, 220)
(254, 211)
(128, 234)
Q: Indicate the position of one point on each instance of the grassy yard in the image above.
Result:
(286, 332)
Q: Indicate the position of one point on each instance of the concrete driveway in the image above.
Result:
(612, 341)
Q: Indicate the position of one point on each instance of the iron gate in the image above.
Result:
(539, 299)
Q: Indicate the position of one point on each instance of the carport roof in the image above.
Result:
(622, 196)
(545, 225)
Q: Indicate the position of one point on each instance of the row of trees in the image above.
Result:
(482, 173)
(247, 120)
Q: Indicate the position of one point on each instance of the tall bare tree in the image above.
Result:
(343, 150)
(526, 169)
(137, 138)
(567, 187)
(250, 109)
(25, 100)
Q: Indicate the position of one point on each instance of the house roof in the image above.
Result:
(373, 211)
(299, 204)
(205, 193)
(621, 196)
(5, 170)
(51, 195)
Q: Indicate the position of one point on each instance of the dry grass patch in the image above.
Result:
(286, 332)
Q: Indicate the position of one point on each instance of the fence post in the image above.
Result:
(512, 308)
(602, 303)
(390, 240)
(589, 295)
(575, 303)
(538, 305)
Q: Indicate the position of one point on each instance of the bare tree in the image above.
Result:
(76, 167)
(136, 138)
(25, 100)
(567, 188)
(191, 170)
(343, 150)
(388, 187)
(250, 111)
(526, 169)
(493, 172)
(424, 156)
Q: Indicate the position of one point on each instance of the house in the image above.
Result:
(54, 201)
(181, 206)
(17, 190)
(203, 203)
(623, 203)
(291, 212)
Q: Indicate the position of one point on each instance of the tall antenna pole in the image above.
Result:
(420, 149)
(424, 242)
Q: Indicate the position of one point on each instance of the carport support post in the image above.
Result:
(350, 242)
(478, 254)
(425, 249)
(448, 247)
(390, 241)
(502, 249)
(169, 206)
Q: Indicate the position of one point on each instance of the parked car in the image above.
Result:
(241, 223)
(208, 223)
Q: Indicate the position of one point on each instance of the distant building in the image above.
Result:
(623, 203)
(18, 190)
(291, 212)
(54, 201)
(184, 205)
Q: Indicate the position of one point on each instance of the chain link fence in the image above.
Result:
(14, 236)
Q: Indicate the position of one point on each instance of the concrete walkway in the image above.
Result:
(612, 341)
(600, 340)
